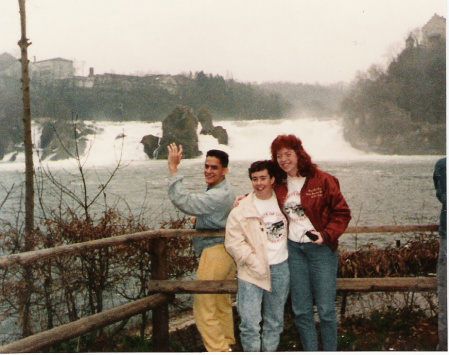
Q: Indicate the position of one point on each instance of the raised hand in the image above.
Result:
(174, 157)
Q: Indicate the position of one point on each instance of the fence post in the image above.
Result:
(159, 265)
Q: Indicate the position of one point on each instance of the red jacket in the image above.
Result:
(324, 204)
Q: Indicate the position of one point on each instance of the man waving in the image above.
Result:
(212, 312)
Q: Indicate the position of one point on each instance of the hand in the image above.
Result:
(320, 240)
(237, 200)
(174, 157)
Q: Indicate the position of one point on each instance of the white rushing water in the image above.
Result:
(248, 140)
(323, 140)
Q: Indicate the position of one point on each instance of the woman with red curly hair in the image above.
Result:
(318, 214)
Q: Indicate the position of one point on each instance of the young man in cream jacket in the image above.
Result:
(256, 237)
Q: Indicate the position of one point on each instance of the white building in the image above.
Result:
(56, 68)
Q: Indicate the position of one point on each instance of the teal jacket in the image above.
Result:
(211, 207)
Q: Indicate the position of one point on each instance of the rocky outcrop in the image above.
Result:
(63, 140)
(180, 127)
(151, 146)
(205, 118)
(11, 133)
(58, 139)
(221, 134)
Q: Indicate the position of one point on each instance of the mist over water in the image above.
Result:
(323, 140)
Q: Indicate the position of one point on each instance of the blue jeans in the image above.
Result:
(313, 274)
(255, 305)
(442, 295)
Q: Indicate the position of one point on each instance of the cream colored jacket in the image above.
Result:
(246, 241)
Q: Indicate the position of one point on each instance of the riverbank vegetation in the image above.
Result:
(391, 329)
(68, 288)
(143, 98)
(400, 110)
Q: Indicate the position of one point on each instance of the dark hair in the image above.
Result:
(305, 165)
(222, 156)
(262, 165)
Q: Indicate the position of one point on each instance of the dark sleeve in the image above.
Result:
(439, 180)
(339, 212)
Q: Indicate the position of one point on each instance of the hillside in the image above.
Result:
(151, 98)
(401, 110)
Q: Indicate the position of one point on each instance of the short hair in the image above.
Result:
(262, 165)
(222, 156)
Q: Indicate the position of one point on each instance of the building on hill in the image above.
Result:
(434, 31)
(52, 71)
(49, 69)
(410, 42)
(55, 69)
(9, 65)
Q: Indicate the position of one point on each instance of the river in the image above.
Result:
(381, 190)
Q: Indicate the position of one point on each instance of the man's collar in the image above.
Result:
(224, 179)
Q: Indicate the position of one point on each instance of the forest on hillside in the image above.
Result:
(400, 110)
(143, 99)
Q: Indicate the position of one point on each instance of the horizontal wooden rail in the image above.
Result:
(46, 339)
(387, 284)
(392, 229)
(192, 286)
(32, 256)
(78, 248)
(82, 326)
(85, 325)
(381, 284)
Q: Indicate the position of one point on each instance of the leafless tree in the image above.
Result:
(29, 170)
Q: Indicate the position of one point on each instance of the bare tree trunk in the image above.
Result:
(25, 299)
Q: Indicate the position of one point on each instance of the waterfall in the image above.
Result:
(248, 141)
(322, 139)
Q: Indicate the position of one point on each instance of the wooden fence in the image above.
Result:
(165, 290)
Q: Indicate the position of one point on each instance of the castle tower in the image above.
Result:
(434, 30)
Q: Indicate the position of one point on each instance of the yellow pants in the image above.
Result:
(213, 312)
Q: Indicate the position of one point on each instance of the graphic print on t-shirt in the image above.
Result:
(293, 208)
(276, 224)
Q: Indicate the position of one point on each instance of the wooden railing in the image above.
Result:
(165, 290)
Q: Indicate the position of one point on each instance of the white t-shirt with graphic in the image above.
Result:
(276, 226)
(299, 223)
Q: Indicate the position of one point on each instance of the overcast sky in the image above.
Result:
(304, 41)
